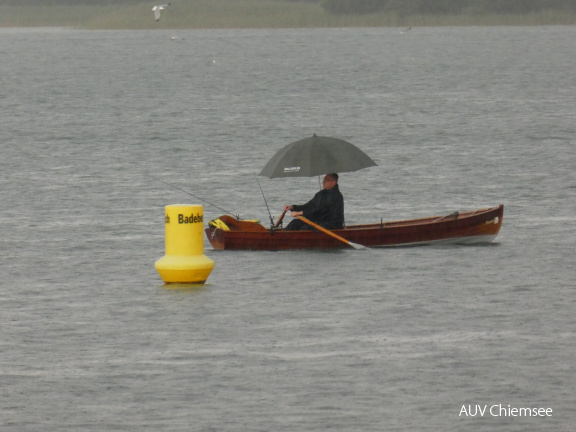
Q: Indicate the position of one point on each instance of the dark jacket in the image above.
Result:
(326, 208)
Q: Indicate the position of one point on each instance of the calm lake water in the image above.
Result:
(400, 339)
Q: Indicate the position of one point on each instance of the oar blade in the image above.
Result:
(357, 246)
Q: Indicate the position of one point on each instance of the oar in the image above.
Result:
(330, 233)
(280, 219)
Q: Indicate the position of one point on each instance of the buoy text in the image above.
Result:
(198, 218)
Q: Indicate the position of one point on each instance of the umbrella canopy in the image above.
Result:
(315, 156)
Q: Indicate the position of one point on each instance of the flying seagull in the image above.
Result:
(157, 9)
(404, 31)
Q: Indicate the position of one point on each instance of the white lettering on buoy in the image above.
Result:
(190, 219)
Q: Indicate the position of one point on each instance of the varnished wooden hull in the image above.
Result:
(480, 226)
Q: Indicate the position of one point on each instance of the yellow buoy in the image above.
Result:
(184, 261)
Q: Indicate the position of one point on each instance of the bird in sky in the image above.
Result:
(157, 9)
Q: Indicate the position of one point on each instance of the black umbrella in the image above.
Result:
(315, 156)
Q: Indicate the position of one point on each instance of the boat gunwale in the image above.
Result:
(422, 221)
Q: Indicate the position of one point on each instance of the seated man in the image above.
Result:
(326, 208)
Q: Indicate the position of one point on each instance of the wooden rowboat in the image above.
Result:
(479, 226)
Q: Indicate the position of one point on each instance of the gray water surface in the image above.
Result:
(381, 340)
